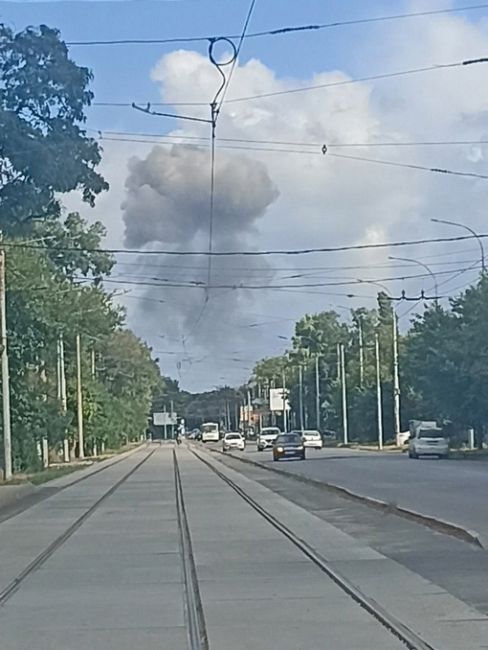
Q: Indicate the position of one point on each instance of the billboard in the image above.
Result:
(276, 399)
(164, 419)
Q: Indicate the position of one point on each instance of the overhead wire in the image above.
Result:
(254, 253)
(302, 89)
(280, 30)
(323, 152)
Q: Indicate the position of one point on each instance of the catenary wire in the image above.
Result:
(280, 30)
(389, 163)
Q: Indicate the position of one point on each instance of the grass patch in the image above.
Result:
(51, 473)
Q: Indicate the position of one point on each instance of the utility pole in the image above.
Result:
(165, 426)
(172, 407)
(396, 379)
(249, 408)
(93, 363)
(378, 391)
(7, 433)
(361, 353)
(285, 426)
(79, 399)
(344, 393)
(62, 393)
(317, 393)
(338, 362)
(300, 394)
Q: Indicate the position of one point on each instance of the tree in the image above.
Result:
(44, 151)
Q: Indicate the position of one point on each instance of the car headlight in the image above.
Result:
(300, 448)
(280, 449)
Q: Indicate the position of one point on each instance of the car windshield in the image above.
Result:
(233, 436)
(311, 434)
(269, 432)
(289, 438)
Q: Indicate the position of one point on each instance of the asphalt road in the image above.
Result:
(453, 490)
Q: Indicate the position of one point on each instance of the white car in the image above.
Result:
(233, 441)
(312, 438)
(266, 438)
(428, 442)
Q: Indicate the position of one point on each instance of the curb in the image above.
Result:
(440, 525)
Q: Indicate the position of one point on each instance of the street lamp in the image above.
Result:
(424, 266)
(475, 234)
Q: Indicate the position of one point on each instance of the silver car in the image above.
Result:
(266, 438)
(428, 442)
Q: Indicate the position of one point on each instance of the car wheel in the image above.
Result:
(412, 454)
(275, 459)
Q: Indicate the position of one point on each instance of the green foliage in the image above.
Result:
(44, 149)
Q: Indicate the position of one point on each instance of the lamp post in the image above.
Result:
(475, 234)
(424, 266)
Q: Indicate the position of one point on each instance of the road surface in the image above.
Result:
(159, 547)
(453, 490)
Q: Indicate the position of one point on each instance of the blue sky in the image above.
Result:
(311, 200)
(122, 72)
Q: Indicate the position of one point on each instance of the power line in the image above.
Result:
(301, 89)
(345, 82)
(324, 151)
(278, 31)
(330, 145)
(248, 253)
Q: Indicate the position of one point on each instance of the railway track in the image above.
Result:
(402, 632)
(40, 559)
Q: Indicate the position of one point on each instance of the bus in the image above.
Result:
(210, 432)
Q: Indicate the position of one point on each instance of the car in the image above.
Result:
(288, 445)
(428, 442)
(266, 437)
(233, 440)
(312, 438)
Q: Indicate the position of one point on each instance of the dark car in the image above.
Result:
(288, 445)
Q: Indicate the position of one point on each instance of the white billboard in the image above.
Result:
(276, 400)
(164, 418)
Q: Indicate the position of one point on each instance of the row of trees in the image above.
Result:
(54, 265)
(46, 300)
(443, 362)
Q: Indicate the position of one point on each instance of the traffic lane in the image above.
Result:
(454, 491)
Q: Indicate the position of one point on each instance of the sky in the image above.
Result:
(290, 196)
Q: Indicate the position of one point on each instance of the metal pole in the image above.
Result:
(93, 363)
(172, 425)
(300, 394)
(62, 394)
(285, 425)
(79, 399)
(378, 391)
(344, 394)
(396, 379)
(317, 393)
(424, 266)
(339, 362)
(7, 433)
(165, 426)
(473, 232)
(361, 354)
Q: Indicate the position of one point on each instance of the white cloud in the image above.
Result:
(325, 200)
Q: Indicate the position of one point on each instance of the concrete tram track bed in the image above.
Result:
(443, 620)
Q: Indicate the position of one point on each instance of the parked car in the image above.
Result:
(288, 445)
(233, 441)
(266, 437)
(428, 442)
(312, 438)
